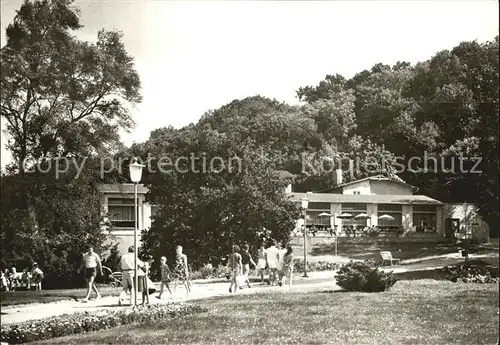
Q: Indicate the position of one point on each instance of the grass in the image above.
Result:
(413, 312)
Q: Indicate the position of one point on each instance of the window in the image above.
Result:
(353, 207)
(121, 212)
(356, 192)
(425, 218)
(424, 208)
(390, 208)
(319, 206)
(393, 210)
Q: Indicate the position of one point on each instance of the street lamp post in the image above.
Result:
(135, 177)
(305, 205)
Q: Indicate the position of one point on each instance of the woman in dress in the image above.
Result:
(181, 270)
(287, 268)
(236, 268)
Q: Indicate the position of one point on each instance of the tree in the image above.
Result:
(61, 96)
(207, 210)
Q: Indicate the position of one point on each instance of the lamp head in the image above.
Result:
(135, 171)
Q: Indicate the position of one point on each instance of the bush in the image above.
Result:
(364, 276)
(208, 271)
(64, 325)
(471, 274)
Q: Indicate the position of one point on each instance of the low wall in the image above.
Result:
(382, 238)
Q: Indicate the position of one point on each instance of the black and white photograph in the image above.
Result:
(249, 172)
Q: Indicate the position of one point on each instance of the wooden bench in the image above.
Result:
(387, 257)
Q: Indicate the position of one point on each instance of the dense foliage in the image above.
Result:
(465, 273)
(68, 324)
(364, 276)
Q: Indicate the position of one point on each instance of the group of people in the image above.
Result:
(27, 279)
(277, 259)
(91, 263)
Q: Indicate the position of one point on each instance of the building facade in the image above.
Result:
(384, 202)
(118, 205)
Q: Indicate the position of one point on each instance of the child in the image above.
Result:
(165, 276)
(26, 279)
(236, 267)
(261, 263)
(246, 260)
(287, 268)
(181, 270)
(5, 284)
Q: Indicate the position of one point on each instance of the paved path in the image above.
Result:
(16, 314)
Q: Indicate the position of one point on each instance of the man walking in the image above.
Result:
(92, 264)
(128, 274)
(272, 258)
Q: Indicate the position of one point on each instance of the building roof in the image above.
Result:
(367, 199)
(123, 188)
(394, 179)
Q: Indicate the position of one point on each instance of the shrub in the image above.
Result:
(64, 325)
(207, 272)
(471, 274)
(364, 276)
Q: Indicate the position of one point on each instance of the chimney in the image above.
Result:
(338, 176)
(288, 189)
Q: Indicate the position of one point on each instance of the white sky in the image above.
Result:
(193, 56)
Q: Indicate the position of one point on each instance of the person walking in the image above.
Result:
(181, 270)
(166, 276)
(128, 274)
(92, 265)
(272, 257)
(281, 255)
(236, 267)
(261, 262)
(246, 260)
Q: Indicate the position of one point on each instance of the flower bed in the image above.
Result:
(67, 324)
(314, 266)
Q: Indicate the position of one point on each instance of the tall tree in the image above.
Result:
(61, 96)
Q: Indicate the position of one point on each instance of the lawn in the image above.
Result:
(413, 312)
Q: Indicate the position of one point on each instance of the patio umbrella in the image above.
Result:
(386, 216)
(345, 216)
(362, 216)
